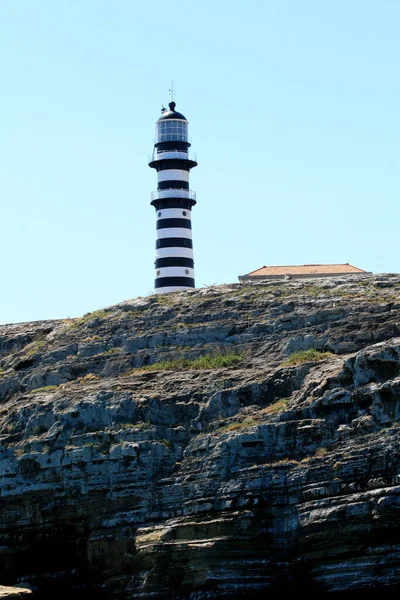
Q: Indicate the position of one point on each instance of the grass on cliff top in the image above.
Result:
(302, 356)
(209, 361)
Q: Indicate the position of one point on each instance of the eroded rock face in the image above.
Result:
(14, 592)
(263, 477)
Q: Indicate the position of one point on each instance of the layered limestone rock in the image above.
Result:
(131, 470)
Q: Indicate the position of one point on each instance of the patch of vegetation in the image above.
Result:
(238, 425)
(97, 314)
(208, 361)
(71, 323)
(246, 288)
(46, 388)
(165, 299)
(87, 377)
(131, 313)
(302, 356)
(286, 461)
(321, 452)
(87, 318)
(92, 338)
(276, 408)
(34, 347)
(312, 290)
(167, 443)
(140, 426)
(182, 325)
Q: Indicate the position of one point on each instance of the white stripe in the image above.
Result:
(166, 290)
(170, 154)
(167, 252)
(174, 272)
(173, 175)
(174, 213)
(173, 193)
(178, 232)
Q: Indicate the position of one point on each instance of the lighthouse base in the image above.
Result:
(166, 290)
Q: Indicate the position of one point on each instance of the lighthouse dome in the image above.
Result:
(171, 113)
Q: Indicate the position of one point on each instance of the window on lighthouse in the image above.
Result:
(171, 131)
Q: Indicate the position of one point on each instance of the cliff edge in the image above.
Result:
(224, 442)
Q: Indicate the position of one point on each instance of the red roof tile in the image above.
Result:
(306, 270)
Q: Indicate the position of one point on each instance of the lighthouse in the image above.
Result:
(173, 202)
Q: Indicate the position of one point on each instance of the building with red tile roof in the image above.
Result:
(301, 271)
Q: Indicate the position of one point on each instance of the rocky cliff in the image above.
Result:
(225, 442)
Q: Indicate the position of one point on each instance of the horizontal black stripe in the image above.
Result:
(184, 223)
(160, 204)
(185, 164)
(175, 184)
(174, 261)
(175, 145)
(174, 243)
(166, 164)
(172, 281)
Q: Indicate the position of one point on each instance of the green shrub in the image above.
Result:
(302, 356)
(208, 361)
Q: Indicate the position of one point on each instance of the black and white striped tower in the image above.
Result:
(173, 201)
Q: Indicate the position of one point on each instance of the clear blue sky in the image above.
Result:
(294, 116)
